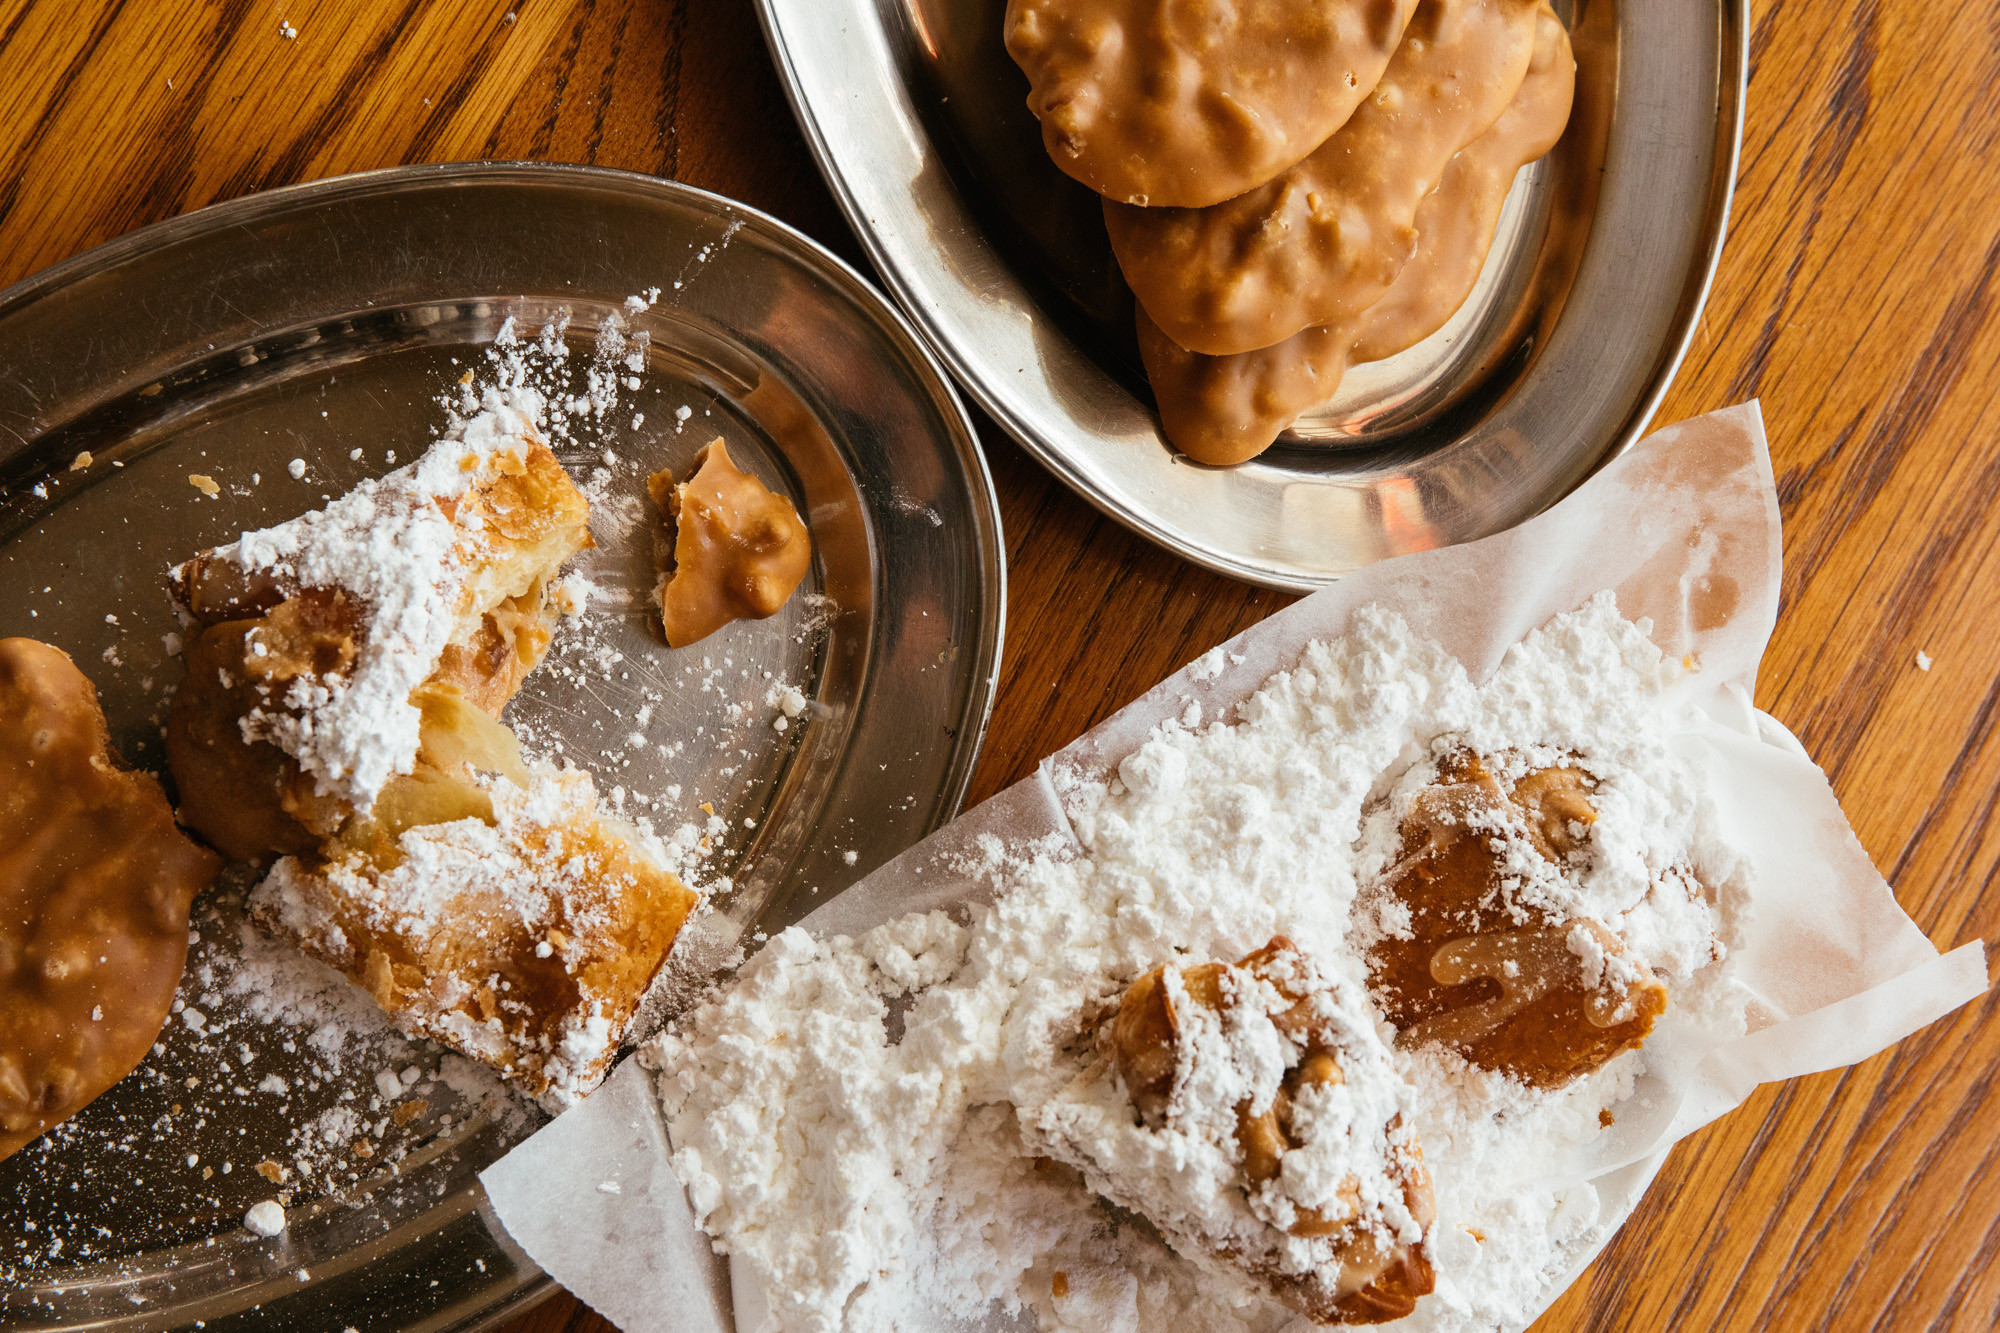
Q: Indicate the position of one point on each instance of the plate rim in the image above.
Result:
(1732, 86)
(988, 536)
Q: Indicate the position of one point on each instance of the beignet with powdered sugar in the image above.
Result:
(340, 711)
(1252, 1114)
(1488, 947)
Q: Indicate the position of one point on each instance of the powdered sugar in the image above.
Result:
(391, 543)
(539, 868)
(842, 1156)
(1182, 1164)
(801, 1069)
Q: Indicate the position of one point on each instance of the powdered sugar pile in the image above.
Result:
(858, 1121)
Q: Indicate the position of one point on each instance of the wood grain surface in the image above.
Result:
(1856, 298)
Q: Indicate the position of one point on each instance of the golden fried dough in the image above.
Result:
(1323, 241)
(265, 637)
(248, 798)
(95, 886)
(510, 642)
(1192, 103)
(1366, 1280)
(1501, 982)
(1227, 409)
(740, 549)
(488, 905)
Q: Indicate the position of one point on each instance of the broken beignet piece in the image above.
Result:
(296, 707)
(1486, 958)
(340, 710)
(739, 548)
(1252, 1114)
(488, 904)
(95, 886)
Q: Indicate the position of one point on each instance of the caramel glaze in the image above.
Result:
(1228, 409)
(1193, 103)
(1506, 993)
(740, 549)
(1376, 1283)
(1323, 241)
(95, 887)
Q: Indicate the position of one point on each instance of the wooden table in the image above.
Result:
(1856, 299)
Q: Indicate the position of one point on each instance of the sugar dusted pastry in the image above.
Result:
(1489, 955)
(1252, 1114)
(1020, 1105)
(247, 796)
(339, 710)
(486, 903)
(95, 885)
(317, 630)
(740, 549)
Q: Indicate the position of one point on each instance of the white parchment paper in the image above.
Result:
(1685, 528)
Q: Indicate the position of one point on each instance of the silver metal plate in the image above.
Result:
(917, 118)
(323, 323)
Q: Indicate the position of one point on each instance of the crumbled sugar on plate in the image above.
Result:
(863, 1124)
(326, 1036)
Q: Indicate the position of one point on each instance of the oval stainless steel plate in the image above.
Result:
(917, 118)
(323, 322)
